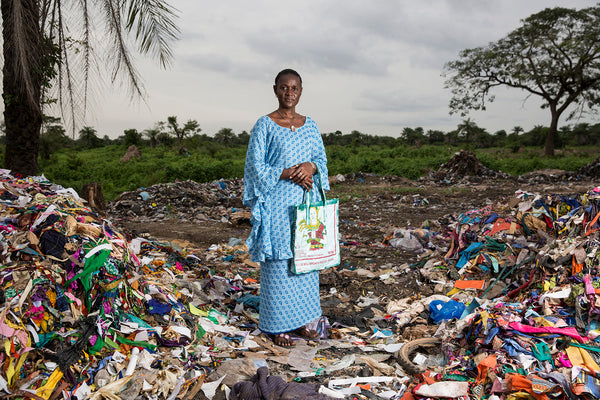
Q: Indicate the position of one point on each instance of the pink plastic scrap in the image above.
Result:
(570, 331)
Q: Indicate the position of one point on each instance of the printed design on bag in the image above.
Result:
(313, 231)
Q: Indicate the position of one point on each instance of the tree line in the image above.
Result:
(172, 134)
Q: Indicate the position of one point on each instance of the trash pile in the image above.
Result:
(520, 314)
(591, 170)
(187, 201)
(463, 167)
(546, 176)
(86, 313)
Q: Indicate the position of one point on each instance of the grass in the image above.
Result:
(74, 168)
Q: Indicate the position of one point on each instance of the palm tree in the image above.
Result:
(466, 129)
(517, 130)
(88, 137)
(152, 134)
(40, 53)
(225, 136)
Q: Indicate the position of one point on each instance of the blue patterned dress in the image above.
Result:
(287, 301)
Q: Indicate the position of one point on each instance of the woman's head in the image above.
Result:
(288, 71)
(288, 88)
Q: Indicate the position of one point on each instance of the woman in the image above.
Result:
(284, 153)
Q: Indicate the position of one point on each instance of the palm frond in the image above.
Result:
(153, 22)
(122, 61)
(87, 50)
(69, 91)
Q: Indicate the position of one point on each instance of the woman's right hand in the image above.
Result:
(298, 175)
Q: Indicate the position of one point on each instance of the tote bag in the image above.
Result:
(315, 239)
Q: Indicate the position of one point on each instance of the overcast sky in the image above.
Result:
(371, 66)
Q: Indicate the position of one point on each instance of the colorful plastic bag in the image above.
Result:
(315, 239)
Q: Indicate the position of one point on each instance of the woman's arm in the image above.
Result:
(259, 177)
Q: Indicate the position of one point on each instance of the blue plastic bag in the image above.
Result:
(441, 310)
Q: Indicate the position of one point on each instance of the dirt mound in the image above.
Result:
(463, 166)
(132, 152)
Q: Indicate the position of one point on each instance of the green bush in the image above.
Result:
(212, 161)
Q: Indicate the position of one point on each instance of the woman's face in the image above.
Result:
(288, 90)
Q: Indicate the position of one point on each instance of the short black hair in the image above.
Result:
(287, 71)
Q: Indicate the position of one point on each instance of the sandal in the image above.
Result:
(282, 340)
(305, 333)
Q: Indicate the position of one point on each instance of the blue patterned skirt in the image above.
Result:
(287, 301)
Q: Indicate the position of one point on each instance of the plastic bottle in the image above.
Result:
(133, 359)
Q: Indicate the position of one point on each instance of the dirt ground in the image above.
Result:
(371, 209)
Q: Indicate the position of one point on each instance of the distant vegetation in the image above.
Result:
(204, 158)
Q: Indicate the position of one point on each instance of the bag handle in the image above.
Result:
(307, 197)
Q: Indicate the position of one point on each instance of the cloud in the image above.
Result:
(398, 102)
(368, 66)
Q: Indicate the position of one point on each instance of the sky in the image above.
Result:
(371, 66)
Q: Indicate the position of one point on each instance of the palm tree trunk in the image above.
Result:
(21, 84)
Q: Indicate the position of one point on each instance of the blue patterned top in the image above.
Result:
(273, 148)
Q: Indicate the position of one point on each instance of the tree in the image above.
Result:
(357, 138)
(88, 137)
(163, 138)
(536, 136)
(152, 135)
(516, 131)
(243, 138)
(581, 134)
(435, 136)
(332, 138)
(413, 136)
(468, 131)
(53, 138)
(132, 136)
(40, 49)
(554, 55)
(225, 136)
(189, 128)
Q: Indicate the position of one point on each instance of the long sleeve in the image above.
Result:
(260, 179)
(260, 176)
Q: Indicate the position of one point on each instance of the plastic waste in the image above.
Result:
(144, 195)
(235, 242)
(444, 389)
(408, 242)
(135, 352)
(343, 363)
(445, 310)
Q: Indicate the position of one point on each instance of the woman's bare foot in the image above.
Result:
(282, 339)
(305, 333)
